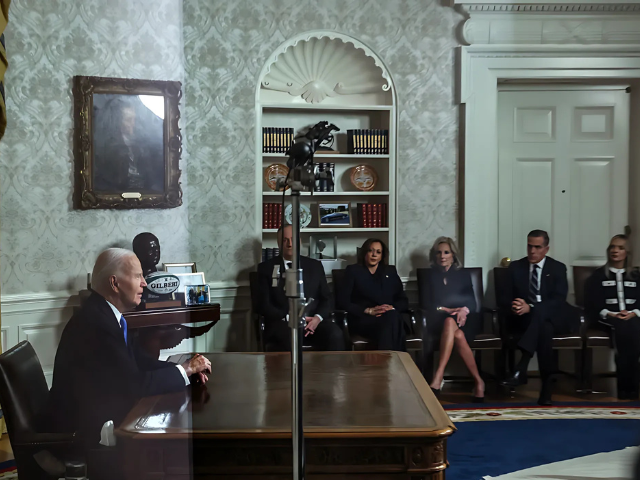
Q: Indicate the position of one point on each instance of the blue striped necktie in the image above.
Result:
(123, 327)
(533, 285)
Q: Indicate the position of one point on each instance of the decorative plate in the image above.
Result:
(305, 215)
(273, 172)
(364, 177)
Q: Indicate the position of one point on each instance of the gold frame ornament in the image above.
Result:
(123, 93)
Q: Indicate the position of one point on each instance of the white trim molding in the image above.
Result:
(482, 67)
(547, 22)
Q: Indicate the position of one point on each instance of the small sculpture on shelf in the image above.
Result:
(160, 285)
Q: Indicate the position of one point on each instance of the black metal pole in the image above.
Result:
(295, 292)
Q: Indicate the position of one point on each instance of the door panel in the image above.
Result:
(563, 167)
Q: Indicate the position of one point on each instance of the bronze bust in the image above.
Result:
(147, 248)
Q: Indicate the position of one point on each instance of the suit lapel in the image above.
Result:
(543, 279)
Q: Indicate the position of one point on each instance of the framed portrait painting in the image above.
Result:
(127, 143)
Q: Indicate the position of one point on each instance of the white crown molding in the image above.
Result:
(566, 22)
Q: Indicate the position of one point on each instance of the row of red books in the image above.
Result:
(271, 215)
(372, 215)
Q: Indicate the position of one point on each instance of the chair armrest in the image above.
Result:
(495, 322)
(340, 318)
(33, 440)
(419, 322)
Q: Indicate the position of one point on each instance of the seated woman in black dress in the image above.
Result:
(373, 296)
(612, 294)
(451, 315)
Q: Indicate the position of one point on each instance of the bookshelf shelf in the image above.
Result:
(329, 194)
(330, 230)
(342, 156)
(371, 110)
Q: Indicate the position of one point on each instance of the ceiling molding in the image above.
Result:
(556, 23)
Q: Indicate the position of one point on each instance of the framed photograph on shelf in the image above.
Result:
(197, 295)
(334, 214)
(189, 267)
(127, 143)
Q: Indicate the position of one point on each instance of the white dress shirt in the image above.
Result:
(541, 265)
(118, 315)
(619, 273)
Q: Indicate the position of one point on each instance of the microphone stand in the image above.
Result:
(300, 177)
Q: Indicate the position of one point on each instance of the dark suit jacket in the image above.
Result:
(97, 377)
(274, 304)
(361, 290)
(553, 285)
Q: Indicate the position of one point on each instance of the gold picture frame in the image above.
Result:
(175, 268)
(127, 143)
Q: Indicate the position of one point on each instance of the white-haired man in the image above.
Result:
(98, 374)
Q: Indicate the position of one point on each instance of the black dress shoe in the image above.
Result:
(518, 378)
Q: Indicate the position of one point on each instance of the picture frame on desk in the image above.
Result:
(176, 268)
(197, 295)
(188, 279)
(334, 215)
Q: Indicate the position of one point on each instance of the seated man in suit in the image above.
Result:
(320, 331)
(98, 373)
(535, 296)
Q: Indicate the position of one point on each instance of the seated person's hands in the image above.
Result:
(461, 316)
(312, 324)
(625, 315)
(377, 310)
(199, 366)
(520, 307)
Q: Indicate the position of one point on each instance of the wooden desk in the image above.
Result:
(162, 328)
(171, 316)
(368, 415)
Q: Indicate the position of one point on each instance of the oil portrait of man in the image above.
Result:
(128, 152)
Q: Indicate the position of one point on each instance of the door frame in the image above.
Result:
(481, 67)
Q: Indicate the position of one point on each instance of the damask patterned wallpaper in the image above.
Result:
(227, 44)
(217, 48)
(45, 245)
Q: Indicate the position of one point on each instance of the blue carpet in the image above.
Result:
(498, 447)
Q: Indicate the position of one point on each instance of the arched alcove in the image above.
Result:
(329, 76)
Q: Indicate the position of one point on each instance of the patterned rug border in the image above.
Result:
(539, 413)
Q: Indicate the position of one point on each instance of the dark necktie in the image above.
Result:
(534, 291)
(289, 264)
(123, 327)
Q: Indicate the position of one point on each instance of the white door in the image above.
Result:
(564, 168)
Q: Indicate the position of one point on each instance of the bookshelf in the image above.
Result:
(363, 98)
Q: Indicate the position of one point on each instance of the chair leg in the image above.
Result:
(499, 364)
(478, 358)
(428, 365)
(586, 360)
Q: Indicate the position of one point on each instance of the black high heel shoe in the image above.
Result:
(475, 398)
(437, 391)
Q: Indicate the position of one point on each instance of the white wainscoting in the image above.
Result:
(40, 319)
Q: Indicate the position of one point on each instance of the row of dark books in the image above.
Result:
(271, 215)
(325, 185)
(276, 139)
(269, 253)
(372, 215)
(368, 141)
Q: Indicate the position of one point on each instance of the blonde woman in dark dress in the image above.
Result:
(451, 311)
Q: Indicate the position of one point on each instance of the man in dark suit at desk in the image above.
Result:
(98, 374)
(535, 295)
(320, 331)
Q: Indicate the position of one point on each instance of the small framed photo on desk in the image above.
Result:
(197, 295)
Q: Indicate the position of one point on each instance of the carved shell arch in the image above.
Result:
(318, 65)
